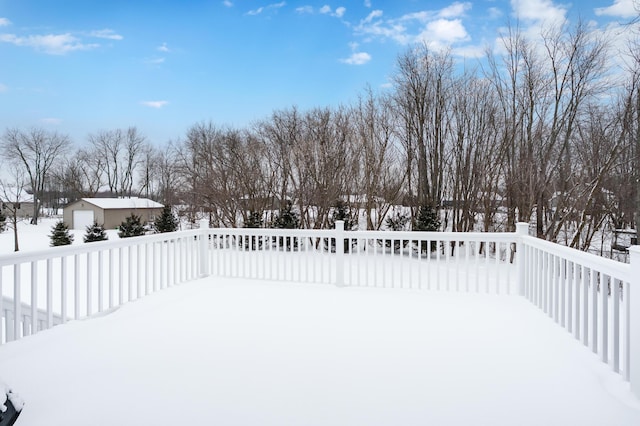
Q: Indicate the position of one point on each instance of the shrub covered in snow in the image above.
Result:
(95, 232)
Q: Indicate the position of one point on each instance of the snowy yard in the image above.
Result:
(234, 352)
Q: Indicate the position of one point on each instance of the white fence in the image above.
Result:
(590, 296)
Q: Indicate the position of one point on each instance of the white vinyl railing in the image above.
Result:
(45, 288)
(471, 262)
(591, 297)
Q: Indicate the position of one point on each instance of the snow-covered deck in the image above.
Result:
(240, 352)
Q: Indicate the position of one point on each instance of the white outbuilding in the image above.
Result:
(110, 212)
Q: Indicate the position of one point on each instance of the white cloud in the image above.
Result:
(261, 9)
(470, 51)
(367, 3)
(538, 10)
(227, 3)
(439, 28)
(304, 9)
(449, 31)
(154, 104)
(3, 88)
(357, 58)
(53, 44)
(324, 10)
(457, 9)
(257, 11)
(106, 33)
(163, 48)
(4, 22)
(494, 13)
(372, 15)
(51, 121)
(619, 8)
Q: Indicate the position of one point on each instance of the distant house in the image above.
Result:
(110, 212)
(22, 204)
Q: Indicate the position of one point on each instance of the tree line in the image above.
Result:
(542, 132)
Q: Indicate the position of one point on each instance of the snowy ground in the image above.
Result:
(231, 352)
(36, 237)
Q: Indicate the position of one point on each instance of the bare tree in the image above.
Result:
(121, 151)
(381, 176)
(13, 192)
(422, 93)
(37, 150)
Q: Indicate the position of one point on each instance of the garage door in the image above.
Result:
(82, 219)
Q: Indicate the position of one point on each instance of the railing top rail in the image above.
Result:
(397, 235)
(607, 266)
(61, 251)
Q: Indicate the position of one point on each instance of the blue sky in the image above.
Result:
(79, 66)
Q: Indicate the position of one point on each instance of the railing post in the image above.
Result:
(522, 230)
(339, 236)
(634, 319)
(204, 243)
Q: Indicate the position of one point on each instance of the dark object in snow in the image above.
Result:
(11, 407)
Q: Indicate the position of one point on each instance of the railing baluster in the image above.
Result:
(76, 286)
(63, 288)
(585, 306)
(130, 269)
(570, 267)
(594, 310)
(89, 284)
(604, 330)
(563, 292)
(34, 297)
(615, 298)
(120, 276)
(627, 331)
(100, 280)
(577, 282)
(49, 293)
(111, 274)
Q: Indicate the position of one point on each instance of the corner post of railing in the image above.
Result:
(634, 319)
(522, 230)
(339, 236)
(204, 245)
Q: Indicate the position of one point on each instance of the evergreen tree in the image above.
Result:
(253, 221)
(397, 222)
(3, 221)
(60, 235)
(342, 212)
(95, 232)
(287, 219)
(427, 220)
(167, 222)
(131, 227)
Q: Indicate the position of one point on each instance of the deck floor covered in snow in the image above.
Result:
(233, 352)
